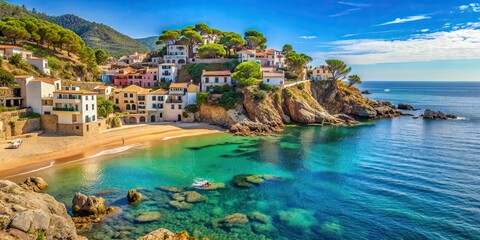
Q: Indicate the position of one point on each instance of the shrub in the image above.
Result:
(16, 60)
(184, 114)
(291, 76)
(229, 100)
(259, 95)
(247, 82)
(191, 108)
(289, 92)
(29, 116)
(202, 97)
(7, 109)
(54, 63)
(301, 86)
(164, 85)
(267, 87)
(278, 97)
(221, 89)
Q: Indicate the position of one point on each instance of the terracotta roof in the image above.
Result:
(102, 87)
(50, 81)
(192, 88)
(159, 92)
(9, 47)
(34, 58)
(167, 64)
(248, 51)
(273, 75)
(179, 85)
(22, 76)
(217, 73)
(132, 88)
(76, 92)
(144, 91)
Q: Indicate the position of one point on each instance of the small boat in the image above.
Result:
(15, 144)
(14, 140)
(199, 182)
(387, 90)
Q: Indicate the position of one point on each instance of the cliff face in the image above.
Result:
(25, 214)
(322, 102)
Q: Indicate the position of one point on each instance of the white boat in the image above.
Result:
(15, 144)
(199, 182)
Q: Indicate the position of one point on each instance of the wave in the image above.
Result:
(34, 170)
(115, 150)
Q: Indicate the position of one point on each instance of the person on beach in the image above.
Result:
(123, 140)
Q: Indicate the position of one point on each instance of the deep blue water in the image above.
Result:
(399, 178)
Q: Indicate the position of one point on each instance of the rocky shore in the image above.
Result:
(319, 102)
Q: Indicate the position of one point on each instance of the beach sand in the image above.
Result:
(41, 151)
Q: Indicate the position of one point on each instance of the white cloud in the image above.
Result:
(346, 12)
(425, 30)
(368, 33)
(404, 20)
(355, 7)
(359, 5)
(460, 44)
(308, 37)
(472, 7)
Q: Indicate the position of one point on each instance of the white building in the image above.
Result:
(210, 79)
(274, 78)
(167, 72)
(176, 54)
(9, 50)
(156, 105)
(179, 96)
(131, 59)
(321, 73)
(72, 105)
(38, 92)
(105, 91)
(271, 58)
(246, 56)
(40, 63)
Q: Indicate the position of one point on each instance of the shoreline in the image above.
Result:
(47, 150)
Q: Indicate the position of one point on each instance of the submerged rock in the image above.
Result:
(259, 217)
(236, 218)
(35, 184)
(133, 196)
(194, 197)
(171, 189)
(25, 214)
(181, 205)
(298, 218)
(246, 180)
(430, 114)
(148, 217)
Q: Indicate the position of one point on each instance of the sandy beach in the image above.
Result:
(47, 149)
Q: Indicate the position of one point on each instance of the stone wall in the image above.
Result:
(50, 125)
(30, 125)
(9, 119)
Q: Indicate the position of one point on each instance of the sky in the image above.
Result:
(381, 40)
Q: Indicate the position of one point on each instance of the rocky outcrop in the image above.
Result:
(25, 214)
(133, 196)
(86, 206)
(236, 218)
(430, 114)
(319, 102)
(404, 106)
(36, 184)
(165, 234)
(247, 180)
(366, 92)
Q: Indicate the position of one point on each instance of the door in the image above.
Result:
(152, 118)
(179, 118)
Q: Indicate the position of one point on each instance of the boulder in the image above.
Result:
(181, 205)
(246, 180)
(170, 189)
(35, 184)
(133, 196)
(87, 206)
(25, 214)
(165, 234)
(430, 114)
(403, 106)
(366, 92)
(148, 217)
(178, 197)
(259, 217)
(236, 218)
(194, 197)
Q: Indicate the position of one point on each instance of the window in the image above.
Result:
(154, 105)
(86, 107)
(125, 95)
(93, 118)
(206, 80)
(154, 98)
(161, 115)
(116, 101)
(225, 80)
(86, 97)
(131, 95)
(179, 106)
(93, 106)
(216, 79)
(268, 80)
(160, 106)
(67, 88)
(160, 98)
(173, 106)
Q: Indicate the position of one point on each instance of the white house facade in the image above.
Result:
(72, 105)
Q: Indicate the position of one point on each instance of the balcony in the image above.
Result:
(174, 101)
(166, 74)
(63, 109)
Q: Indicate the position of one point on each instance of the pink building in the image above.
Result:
(145, 78)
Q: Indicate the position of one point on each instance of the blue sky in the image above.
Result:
(381, 40)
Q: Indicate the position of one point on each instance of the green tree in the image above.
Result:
(287, 49)
(192, 37)
(247, 73)
(101, 56)
(231, 41)
(104, 107)
(87, 56)
(14, 30)
(6, 78)
(202, 97)
(168, 37)
(297, 62)
(212, 50)
(338, 69)
(255, 40)
(16, 60)
(354, 79)
(203, 29)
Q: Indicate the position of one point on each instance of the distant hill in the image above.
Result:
(95, 35)
(150, 42)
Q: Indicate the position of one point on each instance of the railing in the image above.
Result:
(65, 109)
(174, 100)
(68, 97)
(166, 74)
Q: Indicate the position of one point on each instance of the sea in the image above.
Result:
(401, 178)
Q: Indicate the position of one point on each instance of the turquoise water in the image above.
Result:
(403, 178)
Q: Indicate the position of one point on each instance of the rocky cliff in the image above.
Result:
(320, 102)
(25, 214)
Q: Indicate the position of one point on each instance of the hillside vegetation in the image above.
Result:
(150, 42)
(95, 35)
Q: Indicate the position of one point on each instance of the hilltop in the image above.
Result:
(95, 35)
(150, 42)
